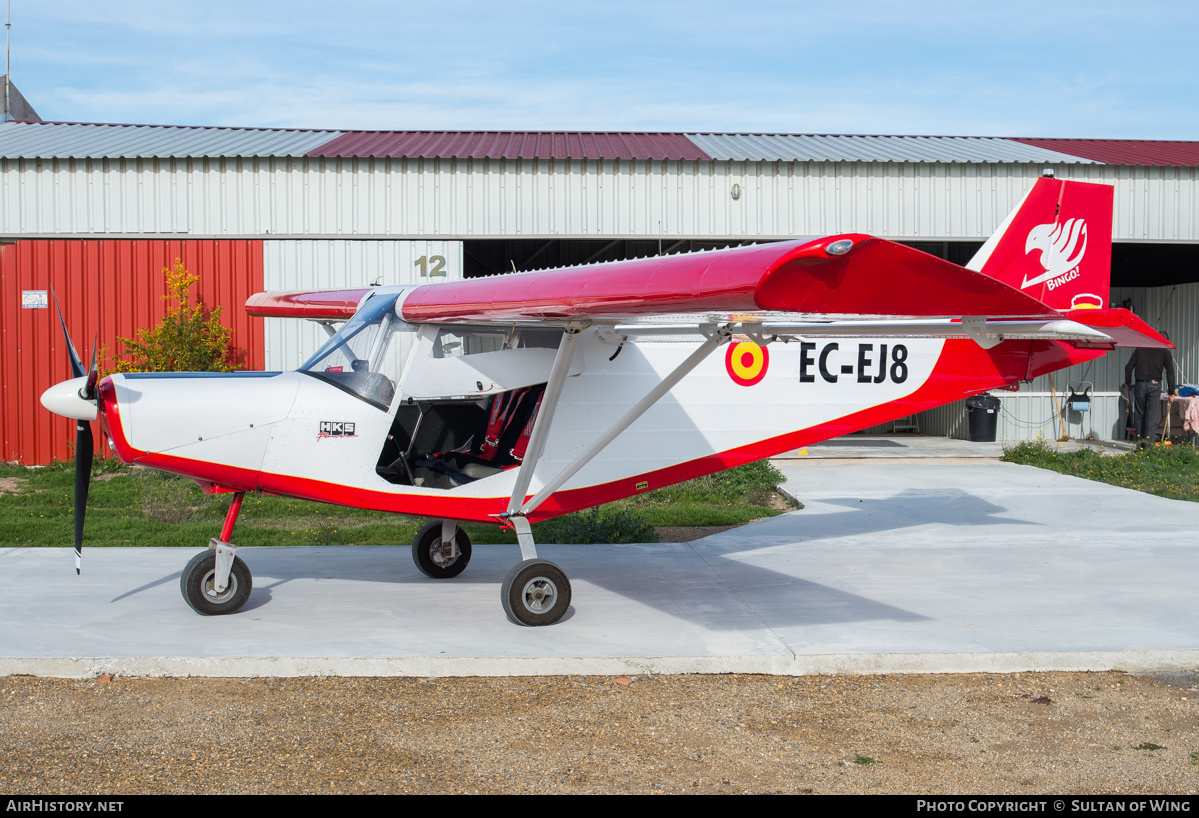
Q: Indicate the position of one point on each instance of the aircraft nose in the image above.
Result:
(64, 399)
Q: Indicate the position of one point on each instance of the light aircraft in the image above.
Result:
(517, 398)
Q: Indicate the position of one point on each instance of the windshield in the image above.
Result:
(366, 356)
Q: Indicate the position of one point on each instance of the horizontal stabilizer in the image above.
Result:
(1122, 326)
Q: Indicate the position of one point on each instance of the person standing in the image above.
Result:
(1143, 376)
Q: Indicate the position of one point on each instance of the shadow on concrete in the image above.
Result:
(703, 581)
(148, 586)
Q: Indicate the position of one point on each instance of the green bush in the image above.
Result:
(597, 525)
(190, 337)
(748, 485)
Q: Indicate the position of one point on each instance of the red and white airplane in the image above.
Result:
(517, 398)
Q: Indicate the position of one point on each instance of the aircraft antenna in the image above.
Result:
(7, 59)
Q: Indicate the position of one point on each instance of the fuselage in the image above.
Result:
(372, 438)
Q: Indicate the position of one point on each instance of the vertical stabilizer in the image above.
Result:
(1056, 245)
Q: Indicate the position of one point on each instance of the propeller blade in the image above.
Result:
(77, 370)
(84, 446)
(84, 443)
(93, 374)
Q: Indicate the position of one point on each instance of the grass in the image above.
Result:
(139, 507)
(1167, 471)
(732, 497)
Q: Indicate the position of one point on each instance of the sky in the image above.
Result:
(1053, 68)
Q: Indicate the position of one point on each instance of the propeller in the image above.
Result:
(84, 442)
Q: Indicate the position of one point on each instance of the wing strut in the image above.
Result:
(541, 428)
(518, 513)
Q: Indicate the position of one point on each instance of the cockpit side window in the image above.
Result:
(456, 341)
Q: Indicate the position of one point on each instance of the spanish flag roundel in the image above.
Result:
(746, 362)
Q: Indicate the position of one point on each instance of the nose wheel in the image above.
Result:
(199, 585)
(216, 581)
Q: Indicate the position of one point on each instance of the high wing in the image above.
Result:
(847, 285)
(319, 305)
(840, 275)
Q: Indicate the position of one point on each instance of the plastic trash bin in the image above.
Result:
(982, 411)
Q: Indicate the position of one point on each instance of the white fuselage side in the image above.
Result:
(293, 425)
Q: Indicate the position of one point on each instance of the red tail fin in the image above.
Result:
(1056, 245)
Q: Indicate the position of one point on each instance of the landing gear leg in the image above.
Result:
(535, 592)
(217, 581)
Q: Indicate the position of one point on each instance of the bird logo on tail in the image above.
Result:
(1062, 247)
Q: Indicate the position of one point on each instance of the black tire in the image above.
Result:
(535, 592)
(426, 552)
(196, 585)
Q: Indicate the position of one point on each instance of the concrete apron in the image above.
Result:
(930, 565)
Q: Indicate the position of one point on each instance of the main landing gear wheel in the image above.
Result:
(198, 580)
(431, 559)
(535, 592)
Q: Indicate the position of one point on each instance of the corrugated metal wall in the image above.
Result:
(110, 288)
(1034, 409)
(476, 198)
(316, 265)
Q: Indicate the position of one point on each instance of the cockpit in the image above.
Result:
(469, 393)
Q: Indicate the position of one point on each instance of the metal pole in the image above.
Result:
(7, 60)
(541, 428)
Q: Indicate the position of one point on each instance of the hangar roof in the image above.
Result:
(64, 140)
(845, 148)
(513, 145)
(1125, 151)
(70, 140)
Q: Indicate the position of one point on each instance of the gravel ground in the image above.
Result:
(1027, 734)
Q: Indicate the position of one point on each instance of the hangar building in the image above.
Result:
(98, 210)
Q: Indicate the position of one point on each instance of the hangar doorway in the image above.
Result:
(491, 257)
(484, 257)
